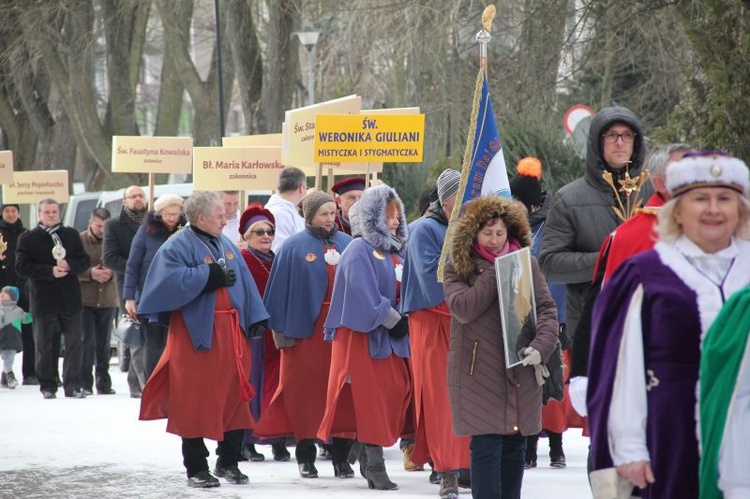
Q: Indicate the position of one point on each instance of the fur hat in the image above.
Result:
(474, 215)
(311, 203)
(707, 169)
(447, 184)
(255, 212)
(165, 201)
(526, 185)
(373, 218)
(12, 291)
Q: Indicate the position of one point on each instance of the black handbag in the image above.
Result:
(129, 332)
(554, 384)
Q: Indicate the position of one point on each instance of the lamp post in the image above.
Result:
(308, 37)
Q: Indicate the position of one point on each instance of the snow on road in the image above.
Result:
(97, 448)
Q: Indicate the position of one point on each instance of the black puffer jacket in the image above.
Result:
(581, 215)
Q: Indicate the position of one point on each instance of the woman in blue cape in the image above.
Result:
(297, 298)
(369, 387)
(649, 327)
(199, 286)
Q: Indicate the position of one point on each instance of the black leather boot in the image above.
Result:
(377, 478)
(556, 454)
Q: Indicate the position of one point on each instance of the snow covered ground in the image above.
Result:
(97, 448)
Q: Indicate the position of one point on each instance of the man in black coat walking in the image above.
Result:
(11, 227)
(118, 237)
(51, 256)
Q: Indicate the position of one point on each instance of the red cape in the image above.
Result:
(632, 237)
(198, 391)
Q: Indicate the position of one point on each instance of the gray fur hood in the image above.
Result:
(372, 217)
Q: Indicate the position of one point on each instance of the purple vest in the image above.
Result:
(671, 343)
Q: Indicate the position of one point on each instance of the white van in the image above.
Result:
(112, 200)
(77, 211)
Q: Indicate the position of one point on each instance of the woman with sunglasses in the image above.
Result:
(257, 227)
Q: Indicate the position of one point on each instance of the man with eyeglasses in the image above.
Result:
(582, 213)
(118, 237)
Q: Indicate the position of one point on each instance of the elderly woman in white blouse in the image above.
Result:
(648, 327)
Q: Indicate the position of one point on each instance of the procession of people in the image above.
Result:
(321, 321)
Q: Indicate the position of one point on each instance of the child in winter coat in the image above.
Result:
(11, 318)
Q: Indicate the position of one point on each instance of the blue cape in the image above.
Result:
(364, 291)
(176, 279)
(298, 284)
(420, 288)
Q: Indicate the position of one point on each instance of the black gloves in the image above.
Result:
(219, 277)
(258, 329)
(401, 328)
(229, 276)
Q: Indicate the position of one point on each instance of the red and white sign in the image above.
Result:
(574, 116)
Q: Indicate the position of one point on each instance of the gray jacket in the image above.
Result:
(581, 215)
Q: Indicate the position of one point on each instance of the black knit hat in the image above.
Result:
(526, 185)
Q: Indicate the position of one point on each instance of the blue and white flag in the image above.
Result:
(483, 170)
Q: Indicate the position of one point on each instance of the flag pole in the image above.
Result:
(483, 38)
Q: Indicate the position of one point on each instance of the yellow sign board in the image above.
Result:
(33, 186)
(362, 138)
(6, 167)
(275, 139)
(299, 130)
(236, 168)
(134, 154)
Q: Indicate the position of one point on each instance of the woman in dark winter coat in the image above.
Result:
(498, 407)
(369, 387)
(159, 225)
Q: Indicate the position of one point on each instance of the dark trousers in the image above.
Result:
(48, 329)
(195, 453)
(28, 362)
(155, 336)
(97, 333)
(305, 450)
(497, 466)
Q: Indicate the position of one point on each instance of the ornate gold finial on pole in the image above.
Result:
(632, 187)
(484, 36)
(488, 16)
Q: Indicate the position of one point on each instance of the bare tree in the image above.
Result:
(281, 74)
(246, 53)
